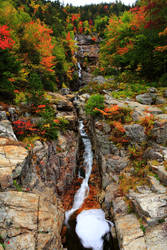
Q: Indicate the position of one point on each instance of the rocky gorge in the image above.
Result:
(129, 175)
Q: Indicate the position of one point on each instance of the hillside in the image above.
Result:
(83, 109)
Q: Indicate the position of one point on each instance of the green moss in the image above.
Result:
(95, 101)
(143, 228)
(17, 186)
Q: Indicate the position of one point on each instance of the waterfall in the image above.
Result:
(79, 70)
(88, 161)
(91, 226)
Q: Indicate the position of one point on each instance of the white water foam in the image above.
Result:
(91, 227)
(79, 70)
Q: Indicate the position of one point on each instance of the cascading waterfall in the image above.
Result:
(79, 70)
(91, 224)
(88, 160)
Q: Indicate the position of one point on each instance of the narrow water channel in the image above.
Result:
(90, 229)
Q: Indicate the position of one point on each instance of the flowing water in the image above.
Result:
(88, 161)
(91, 225)
(79, 70)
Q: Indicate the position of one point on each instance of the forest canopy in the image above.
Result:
(37, 41)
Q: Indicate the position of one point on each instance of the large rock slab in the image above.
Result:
(12, 160)
(156, 237)
(156, 186)
(54, 165)
(159, 132)
(151, 206)
(129, 233)
(116, 163)
(135, 132)
(99, 79)
(30, 221)
(136, 106)
(91, 51)
(146, 98)
(62, 102)
(6, 130)
(160, 171)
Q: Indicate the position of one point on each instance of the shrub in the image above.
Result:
(95, 101)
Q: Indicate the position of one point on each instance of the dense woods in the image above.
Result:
(37, 43)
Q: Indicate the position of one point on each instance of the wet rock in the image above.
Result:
(30, 221)
(151, 206)
(146, 98)
(129, 233)
(12, 160)
(135, 132)
(156, 237)
(6, 130)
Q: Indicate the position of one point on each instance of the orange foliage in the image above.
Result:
(119, 126)
(112, 108)
(94, 39)
(122, 51)
(68, 37)
(39, 36)
(138, 17)
(162, 48)
(108, 111)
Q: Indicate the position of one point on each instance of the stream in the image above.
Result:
(90, 227)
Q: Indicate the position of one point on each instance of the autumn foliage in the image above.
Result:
(39, 36)
(6, 42)
(135, 41)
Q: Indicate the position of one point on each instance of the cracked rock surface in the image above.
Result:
(30, 221)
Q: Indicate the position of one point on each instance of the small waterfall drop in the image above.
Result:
(91, 225)
(79, 70)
